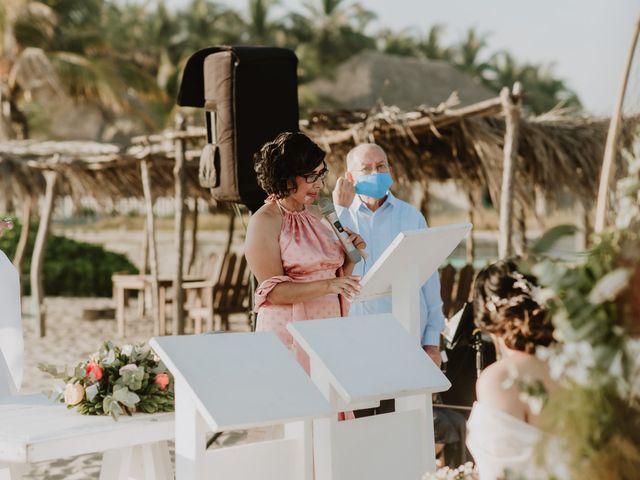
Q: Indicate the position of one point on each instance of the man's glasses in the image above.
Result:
(315, 176)
(382, 168)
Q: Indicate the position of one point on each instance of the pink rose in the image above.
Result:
(94, 368)
(162, 380)
(73, 393)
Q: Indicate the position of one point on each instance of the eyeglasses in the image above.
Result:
(382, 168)
(315, 176)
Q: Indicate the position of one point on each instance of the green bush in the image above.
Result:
(71, 268)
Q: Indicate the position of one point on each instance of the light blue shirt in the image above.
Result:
(379, 229)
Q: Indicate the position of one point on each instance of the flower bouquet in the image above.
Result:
(116, 380)
(463, 472)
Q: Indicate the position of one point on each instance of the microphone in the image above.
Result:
(329, 212)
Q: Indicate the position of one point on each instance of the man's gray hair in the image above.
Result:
(360, 149)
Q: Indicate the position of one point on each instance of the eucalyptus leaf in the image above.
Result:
(551, 237)
(126, 397)
(610, 286)
(131, 378)
(109, 358)
(91, 391)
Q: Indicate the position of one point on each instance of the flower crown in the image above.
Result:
(527, 288)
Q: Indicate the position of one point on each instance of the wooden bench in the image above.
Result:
(142, 284)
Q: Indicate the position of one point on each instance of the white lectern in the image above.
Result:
(356, 362)
(406, 265)
(237, 381)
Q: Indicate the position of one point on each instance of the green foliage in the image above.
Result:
(70, 268)
(127, 57)
(595, 412)
(550, 238)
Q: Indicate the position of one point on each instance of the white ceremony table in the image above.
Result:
(34, 429)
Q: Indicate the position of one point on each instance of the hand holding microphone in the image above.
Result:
(352, 243)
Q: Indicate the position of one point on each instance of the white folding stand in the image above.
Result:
(406, 265)
(356, 362)
(238, 381)
(377, 362)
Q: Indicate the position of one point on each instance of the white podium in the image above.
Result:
(406, 265)
(356, 362)
(237, 381)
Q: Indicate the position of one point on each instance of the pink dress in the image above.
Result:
(309, 251)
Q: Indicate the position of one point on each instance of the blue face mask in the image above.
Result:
(374, 185)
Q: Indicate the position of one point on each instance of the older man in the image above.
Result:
(365, 205)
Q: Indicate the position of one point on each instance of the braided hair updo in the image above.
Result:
(280, 161)
(504, 304)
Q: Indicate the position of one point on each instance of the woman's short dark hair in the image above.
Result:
(280, 161)
(504, 304)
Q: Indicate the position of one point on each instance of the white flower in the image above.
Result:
(130, 366)
(73, 394)
(127, 350)
(610, 286)
(573, 360)
(542, 295)
(534, 402)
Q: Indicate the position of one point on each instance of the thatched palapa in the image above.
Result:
(99, 170)
(558, 152)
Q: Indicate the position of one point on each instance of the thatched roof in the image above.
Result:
(558, 152)
(100, 170)
(364, 79)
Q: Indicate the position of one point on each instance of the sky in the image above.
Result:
(585, 40)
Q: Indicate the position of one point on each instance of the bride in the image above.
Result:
(11, 342)
(503, 428)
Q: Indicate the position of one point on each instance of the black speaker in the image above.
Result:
(250, 95)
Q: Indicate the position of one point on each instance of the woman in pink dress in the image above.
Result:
(302, 271)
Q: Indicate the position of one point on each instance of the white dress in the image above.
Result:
(500, 442)
(11, 341)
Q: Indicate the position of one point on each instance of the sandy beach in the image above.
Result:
(69, 340)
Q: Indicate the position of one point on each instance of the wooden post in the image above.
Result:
(37, 290)
(230, 230)
(25, 222)
(6, 200)
(511, 109)
(426, 199)
(153, 253)
(179, 187)
(608, 166)
(144, 269)
(522, 230)
(470, 242)
(582, 222)
(193, 242)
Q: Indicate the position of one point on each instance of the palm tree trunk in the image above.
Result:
(25, 223)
